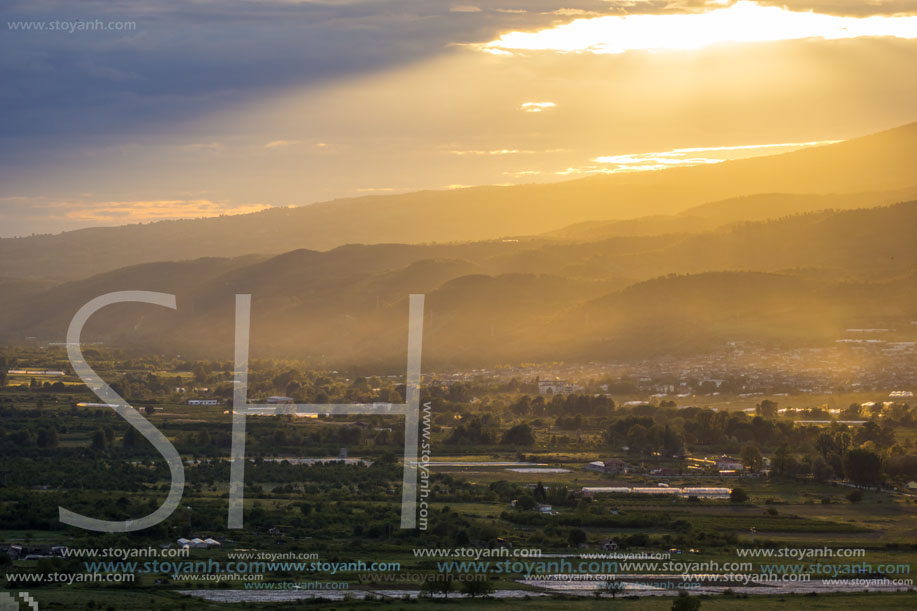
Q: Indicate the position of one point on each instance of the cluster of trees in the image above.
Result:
(643, 436)
(46, 437)
(485, 430)
(476, 430)
(519, 435)
(281, 435)
(837, 457)
(35, 431)
(563, 405)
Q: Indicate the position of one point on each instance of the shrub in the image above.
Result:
(685, 602)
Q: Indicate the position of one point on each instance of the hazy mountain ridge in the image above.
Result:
(721, 214)
(496, 301)
(881, 162)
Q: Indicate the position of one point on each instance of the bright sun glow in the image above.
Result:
(742, 22)
(701, 155)
(683, 157)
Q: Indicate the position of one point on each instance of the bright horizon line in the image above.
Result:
(152, 211)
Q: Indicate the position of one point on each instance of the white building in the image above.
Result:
(557, 387)
(725, 463)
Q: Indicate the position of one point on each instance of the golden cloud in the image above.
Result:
(143, 211)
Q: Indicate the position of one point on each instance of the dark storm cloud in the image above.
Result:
(185, 58)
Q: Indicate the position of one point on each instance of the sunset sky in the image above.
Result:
(206, 107)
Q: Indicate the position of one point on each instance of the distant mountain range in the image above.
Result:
(798, 280)
(714, 215)
(868, 171)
